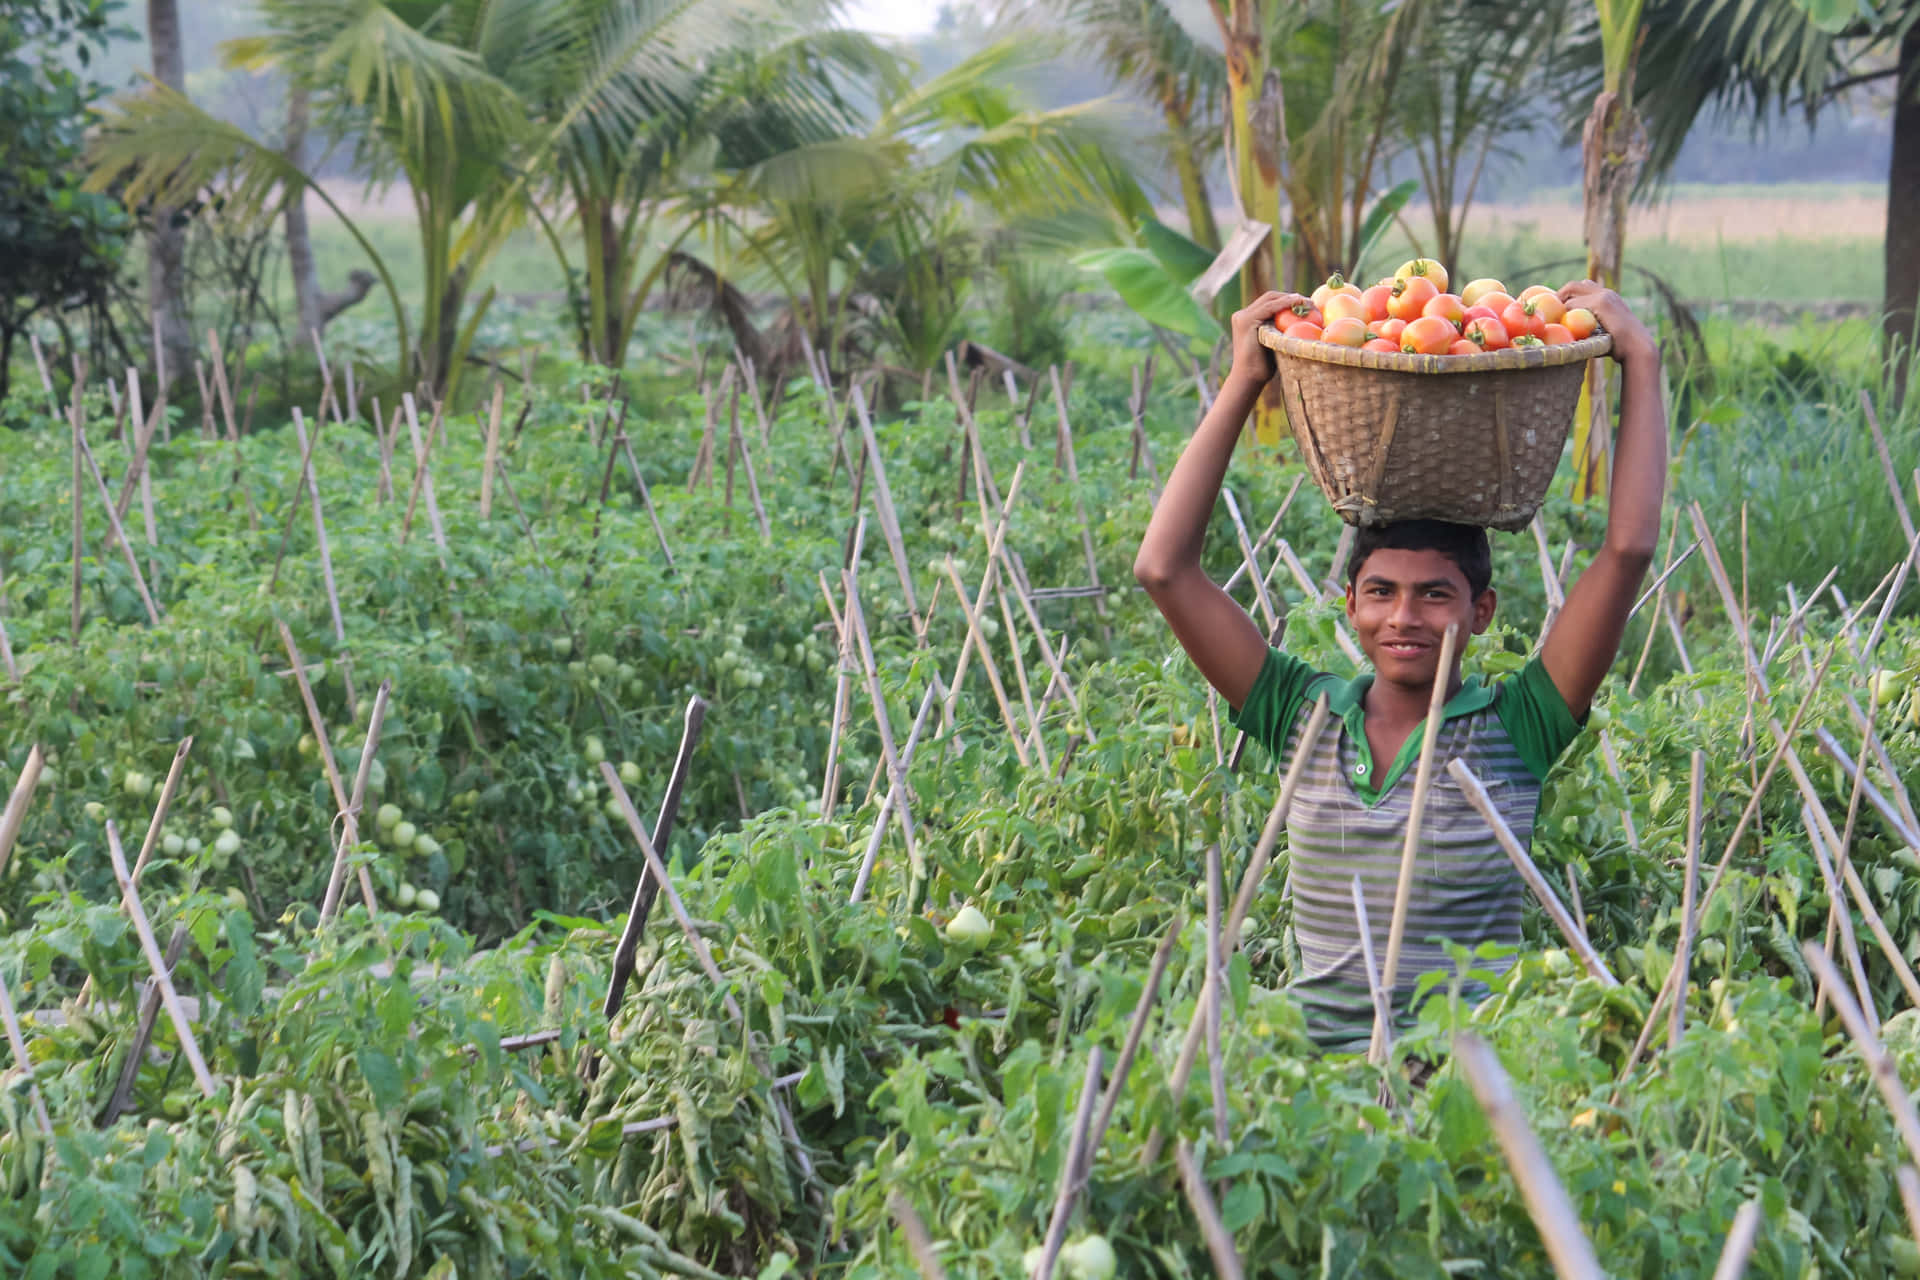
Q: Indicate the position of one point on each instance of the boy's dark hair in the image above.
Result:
(1464, 544)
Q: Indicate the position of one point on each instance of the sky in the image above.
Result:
(892, 17)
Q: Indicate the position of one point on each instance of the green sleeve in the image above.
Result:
(1277, 693)
(1536, 717)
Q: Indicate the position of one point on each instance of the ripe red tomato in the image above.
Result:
(1495, 302)
(1305, 330)
(1287, 319)
(1461, 347)
(1479, 312)
(1580, 322)
(1376, 299)
(1341, 306)
(1448, 307)
(1347, 331)
(1557, 335)
(1519, 318)
(1428, 336)
(1411, 297)
(1380, 344)
(1487, 333)
(1391, 329)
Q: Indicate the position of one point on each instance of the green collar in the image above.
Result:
(1348, 701)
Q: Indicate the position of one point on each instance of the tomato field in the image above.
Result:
(815, 1049)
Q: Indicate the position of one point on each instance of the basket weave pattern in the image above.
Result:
(1471, 439)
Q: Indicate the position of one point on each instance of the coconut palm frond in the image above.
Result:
(157, 147)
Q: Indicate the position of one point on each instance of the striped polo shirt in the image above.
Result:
(1349, 817)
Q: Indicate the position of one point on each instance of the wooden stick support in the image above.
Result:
(1739, 1246)
(1382, 1007)
(1410, 848)
(168, 996)
(18, 1043)
(14, 816)
(1566, 1243)
(1070, 1168)
(1142, 1012)
(918, 1240)
(646, 888)
(350, 825)
(893, 795)
(1689, 921)
(1880, 1063)
(1226, 1261)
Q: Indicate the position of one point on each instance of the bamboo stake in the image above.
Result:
(1253, 565)
(73, 422)
(1409, 849)
(753, 479)
(1073, 480)
(1210, 994)
(1014, 647)
(1733, 1257)
(1260, 543)
(350, 830)
(326, 555)
(893, 796)
(14, 816)
(315, 721)
(168, 996)
(1226, 1262)
(1909, 1181)
(1689, 923)
(646, 888)
(424, 480)
(144, 426)
(1566, 1243)
(160, 808)
(46, 378)
(889, 518)
(1880, 1064)
(1070, 1167)
(1886, 465)
(493, 451)
(18, 1043)
(646, 498)
(1142, 1012)
(979, 640)
(996, 545)
(146, 474)
(918, 1241)
(1613, 770)
(1556, 601)
(113, 522)
(843, 686)
(1382, 1011)
(385, 436)
(6, 654)
(1850, 944)
(857, 624)
(748, 372)
(1476, 794)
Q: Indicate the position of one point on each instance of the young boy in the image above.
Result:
(1406, 583)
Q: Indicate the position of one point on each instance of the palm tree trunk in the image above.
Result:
(613, 279)
(166, 245)
(1903, 215)
(1257, 109)
(1201, 224)
(306, 283)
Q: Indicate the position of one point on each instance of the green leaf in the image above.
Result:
(243, 981)
(1183, 258)
(383, 1078)
(1151, 291)
(1833, 16)
(1379, 218)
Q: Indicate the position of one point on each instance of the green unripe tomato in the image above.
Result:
(193, 845)
(237, 900)
(227, 844)
(427, 900)
(222, 816)
(406, 897)
(562, 646)
(593, 750)
(613, 810)
(173, 845)
(1598, 718)
(630, 773)
(404, 834)
(425, 845)
(603, 664)
(137, 785)
(95, 811)
(388, 817)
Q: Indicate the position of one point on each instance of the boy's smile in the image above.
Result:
(1402, 603)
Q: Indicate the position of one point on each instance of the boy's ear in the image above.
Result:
(1483, 606)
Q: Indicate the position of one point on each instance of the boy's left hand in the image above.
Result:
(1632, 342)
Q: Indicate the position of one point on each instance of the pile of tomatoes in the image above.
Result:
(1412, 311)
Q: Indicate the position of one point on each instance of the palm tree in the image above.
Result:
(167, 242)
(1144, 45)
(436, 95)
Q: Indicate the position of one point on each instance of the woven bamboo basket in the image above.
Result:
(1471, 439)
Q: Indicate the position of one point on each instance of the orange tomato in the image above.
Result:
(1391, 330)
(1423, 269)
(1428, 336)
(1581, 323)
(1548, 307)
(1480, 312)
(1342, 306)
(1410, 298)
(1336, 284)
(1380, 344)
(1557, 335)
(1448, 307)
(1495, 302)
(1478, 289)
(1461, 347)
(1520, 320)
(1376, 299)
(1346, 331)
(1487, 333)
(1305, 330)
(1533, 291)
(1287, 319)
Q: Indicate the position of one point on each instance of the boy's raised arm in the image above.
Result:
(1581, 647)
(1215, 631)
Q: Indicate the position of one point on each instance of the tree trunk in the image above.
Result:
(1614, 145)
(614, 281)
(306, 284)
(1257, 109)
(166, 246)
(1201, 224)
(1903, 216)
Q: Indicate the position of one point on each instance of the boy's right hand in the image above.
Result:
(1252, 363)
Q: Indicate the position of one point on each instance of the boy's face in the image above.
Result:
(1401, 603)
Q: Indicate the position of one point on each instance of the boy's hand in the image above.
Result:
(1632, 342)
(1252, 363)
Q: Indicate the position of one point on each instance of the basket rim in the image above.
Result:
(1402, 362)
